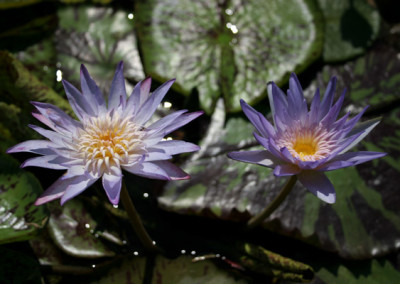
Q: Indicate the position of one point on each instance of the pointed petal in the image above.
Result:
(166, 120)
(117, 91)
(297, 104)
(48, 162)
(92, 91)
(42, 147)
(327, 100)
(173, 147)
(277, 101)
(51, 135)
(150, 106)
(314, 109)
(77, 185)
(112, 186)
(319, 185)
(286, 170)
(147, 170)
(259, 157)
(156, 155)
(56, 190)
(363, 130)
(351, 159)
(80, 104)
(333, 113)
(56, 119)
(174, 172)
(258, 120)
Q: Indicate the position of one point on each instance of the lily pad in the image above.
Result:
(20, 219)
(227, 48)
(350, 28)
(18, 87)
(372, 272)
(363, 223)
(98, 37)
(72, 229)
(180, 270)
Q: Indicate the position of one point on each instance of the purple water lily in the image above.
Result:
(305, 142)
(109, 136)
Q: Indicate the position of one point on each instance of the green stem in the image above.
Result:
(136, 222)
(257, 220)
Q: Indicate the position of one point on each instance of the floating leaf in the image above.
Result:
(372, 272)
(99, 38)
(350, 27)
(18, 87)
(365, 220)
(72, 229)
(228, 48)
(180, 270)
(20, 219)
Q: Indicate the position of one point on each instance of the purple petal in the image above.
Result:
(51, 135)
(77, 186)
(144, 91)
(173, 147)
(297, 104)
(56, 119)
(362, 130)
(117, 91)
(156, 155)
(319, 185)
(112, 186)
(42, 147)
(286, 170)
(92, 91)
(166, 120)
(277, 101)
(333, 113)
(56, 190)
(348, 126)
(314, 109)
(259, 157)
(79, 103)
(147, 170)
(150, 106)
(174, 172)
(49, 162)
(351, 159)
(258, 120)
(328, 98)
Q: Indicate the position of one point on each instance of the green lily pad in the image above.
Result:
(18, 87)
(372, 272)
(180, 270)
(98, 37)
(229, 49)
(72, 229)
(365, 220)
(20, 219)
(350, 28)
(40, 60)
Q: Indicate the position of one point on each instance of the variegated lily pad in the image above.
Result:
(20, 219)
(227, 48)
(73, 230)
(350, 27)
(365, 220)
(98, 37)
(181, 270)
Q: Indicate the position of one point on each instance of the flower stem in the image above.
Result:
(136, 222)
(257, 220)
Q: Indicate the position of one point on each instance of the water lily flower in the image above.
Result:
(307, 142)
(110, 136)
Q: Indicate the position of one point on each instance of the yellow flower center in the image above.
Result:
(305, 147)
(109, 141)
(306, 143)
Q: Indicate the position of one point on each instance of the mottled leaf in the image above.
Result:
(227, 48)
(180, 270)
(17, 88)
(373, 272)
(72, 229)
(350, 27)
(20, 219)
(365, 220)
(99, 38)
